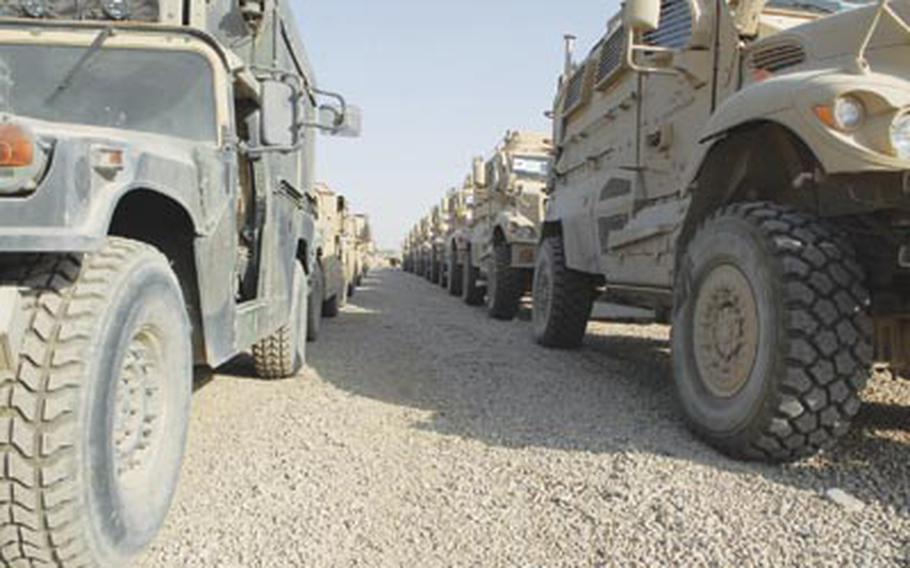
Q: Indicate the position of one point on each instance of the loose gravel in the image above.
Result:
(426, 434)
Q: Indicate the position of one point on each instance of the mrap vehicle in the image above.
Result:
(741, 168)
(156, 159)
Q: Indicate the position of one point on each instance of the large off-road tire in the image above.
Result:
(95, 416)
(331, 307)
(505, 284)
(456, 276)
(471, 292)
(563, 298)
(283, 353)
(314, 303)
(771, 333)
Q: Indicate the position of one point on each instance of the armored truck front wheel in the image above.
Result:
(455, 276)
(505, 284)
(563, 298)
(283, 353)
(771, 333)
(471, 291)
(96, 413)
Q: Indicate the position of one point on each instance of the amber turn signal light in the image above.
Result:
(17, 147)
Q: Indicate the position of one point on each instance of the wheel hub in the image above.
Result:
(139, 406)
(726, 331)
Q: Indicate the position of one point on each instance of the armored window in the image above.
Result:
(675, 29)
(575, 90)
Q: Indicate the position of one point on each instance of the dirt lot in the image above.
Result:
(426, 434)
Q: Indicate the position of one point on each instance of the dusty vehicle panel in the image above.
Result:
(163, 179)
(778, 130)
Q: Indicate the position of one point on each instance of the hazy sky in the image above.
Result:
(439, 83)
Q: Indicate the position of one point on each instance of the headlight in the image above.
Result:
(900, 136)
(21, 159)
(846, 113)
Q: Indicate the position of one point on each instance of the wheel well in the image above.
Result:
(761, 161)
(499, 236)
(155, 219)
(302, 249)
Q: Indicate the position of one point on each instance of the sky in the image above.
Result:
(439, 83)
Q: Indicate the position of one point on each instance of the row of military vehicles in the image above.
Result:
(740, 169)
(158, 213)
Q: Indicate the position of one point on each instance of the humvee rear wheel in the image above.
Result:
(471, 293)
(96, 415)
(283, 353)
(456, 278)
(771, 333)
(505, 285)
(563, 298)
(314, 303)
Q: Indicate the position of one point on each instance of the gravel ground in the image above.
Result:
(426, 434)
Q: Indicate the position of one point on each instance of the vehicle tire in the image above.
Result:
(771, 333)
(456, 276)
(330, 307)
(315, 303)
(352, 289)
(96, 416)
(471, 293)
(283, 354)
(563, 298)
(505, 285)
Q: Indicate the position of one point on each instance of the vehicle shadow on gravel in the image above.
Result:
(485, 380)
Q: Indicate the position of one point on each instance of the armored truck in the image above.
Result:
(508, 211)
(460, 204)
(742, 169)
(349, 256)
(156, 160)
(329, 270)
(436, 237)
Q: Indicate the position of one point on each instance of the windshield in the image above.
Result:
(531, 166)
(160, 92)
(821, 6)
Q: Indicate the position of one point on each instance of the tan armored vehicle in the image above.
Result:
(423, 247)
(155, 214)
(330, 285)
(365, 247)
(742, 168)
(438, 229)
(460, 207)
(508, 211)
(408, 260)
(349, 254)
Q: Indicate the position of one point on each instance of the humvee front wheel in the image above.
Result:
(505, 284)
(96, 415)
(283, 353)
(314, 303)
(771, 333)
(563, 298)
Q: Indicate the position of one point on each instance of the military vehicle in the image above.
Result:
(422, 247)
(741, 168)
(331, 289)
(155, 166)
(438, 229)
(508, 211)
(349, 256)
(407, 252)
(365, 247)
(460, 207)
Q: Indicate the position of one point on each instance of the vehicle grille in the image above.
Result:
(611, 55)
(777, 55)
(675, 25)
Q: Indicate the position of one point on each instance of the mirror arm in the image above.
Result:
(256, 151)
(632, 47)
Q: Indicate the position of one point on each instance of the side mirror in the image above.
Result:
(480, 173)
(346, 122)
(642, 15)
(280, 121)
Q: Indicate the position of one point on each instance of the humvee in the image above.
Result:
(741, 168)
(156, 159)
(508, 211)
(460, 205)
(331, 290)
